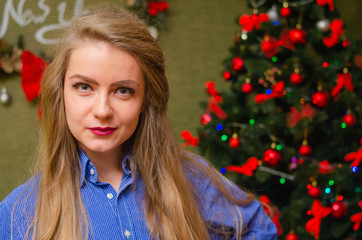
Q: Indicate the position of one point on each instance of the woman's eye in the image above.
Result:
(82, 87)
(125, 91)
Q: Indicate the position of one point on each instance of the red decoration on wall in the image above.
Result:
(155, 7)
(249, 23)
(319, 212)
(277, 91)
(337, 30)
(33, 68)
(247, 168)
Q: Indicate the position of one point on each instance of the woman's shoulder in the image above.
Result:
(17, 208)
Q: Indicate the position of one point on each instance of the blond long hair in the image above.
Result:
(170, 204)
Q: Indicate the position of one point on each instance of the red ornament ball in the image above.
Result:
(320, 99)
(297, 36)
(247, 88)
(305, 150)
(226, 75)
(234, 142)
(267, 46)
(291, 236)
(314, 192)
(349, 119)
(205, 118)
(271, 157)
(339, 209)
(296, 78)
(285, 11)
(238, 64)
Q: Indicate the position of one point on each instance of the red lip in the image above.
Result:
(99, 131)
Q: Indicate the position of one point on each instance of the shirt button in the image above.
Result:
(92, 171)
(109, 195)
(127, 233)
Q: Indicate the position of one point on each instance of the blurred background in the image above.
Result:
(195, 36)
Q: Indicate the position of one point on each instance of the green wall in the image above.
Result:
(195, 39)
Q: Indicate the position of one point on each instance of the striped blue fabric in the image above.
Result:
(120, 214)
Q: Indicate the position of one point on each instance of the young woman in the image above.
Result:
(109, 165)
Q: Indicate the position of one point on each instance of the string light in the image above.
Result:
(327, 190)
(354, 169)
(276, 23)
(223, 170)
(309, 212)
(219, 127)
(224, 138)
(251, 121)
(325, 64)
(340, 198)
(357, 190)
(268, 92)
(331, 182)
(343, 125)
(282, 180)
(274, 59)
(278, 147)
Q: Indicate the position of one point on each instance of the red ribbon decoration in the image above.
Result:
(247, 168)
(343, 80)
(190, 140)
(355, 157)
(324, 2)
(293, 117)
(155, 7)
(357, 219)
(270, 44)
(337, 31)
(32, 71)
(214, 100)
(319, 212)
(272, 212)
(277, 91)
(248, 23)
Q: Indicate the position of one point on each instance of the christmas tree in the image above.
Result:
(289, 127)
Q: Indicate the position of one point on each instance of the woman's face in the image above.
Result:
(103, 95)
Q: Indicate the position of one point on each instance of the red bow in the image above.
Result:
(313, 226)
(337, 31)
(343, 80)
(277, 91)
(293, 117)
(357, 219)
(155, 7)
(214, 100)
(355, 156)
(33, 68)
(247, 168)
(272, 212)
(248, 23)
(324, 2)
(270, 44)
(210, 86)
(190, 140)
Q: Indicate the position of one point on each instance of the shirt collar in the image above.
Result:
(89, 171)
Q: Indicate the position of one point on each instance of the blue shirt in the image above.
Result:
(120, 215)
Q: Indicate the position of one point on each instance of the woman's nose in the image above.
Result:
(102, 108)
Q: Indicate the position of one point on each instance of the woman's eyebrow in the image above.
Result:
(84, 78)
(117, 83)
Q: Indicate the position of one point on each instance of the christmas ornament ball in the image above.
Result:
(339, 209)
(305, 150)
(271, 157)
(267, 45)
(238, 64)
(314, 192)
(285, 11)
(5, 97)
(291, 236)
(205, 118)
(273, 14)
(247, 88)
(297, 36)
(296, 78)
(323, 25)
(320, 99)
(234, 142)
(349, 119)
